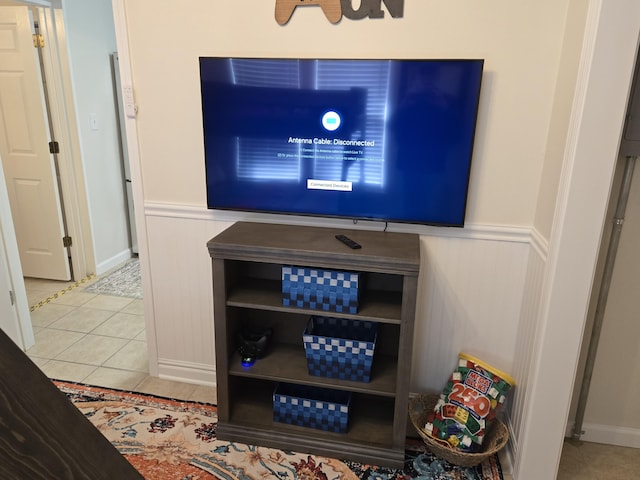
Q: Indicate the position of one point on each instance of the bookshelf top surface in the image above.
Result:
(318, 245)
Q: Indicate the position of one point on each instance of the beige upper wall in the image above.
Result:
(560, 119)
(521, 43)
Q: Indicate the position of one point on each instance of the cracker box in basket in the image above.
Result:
(473, 396)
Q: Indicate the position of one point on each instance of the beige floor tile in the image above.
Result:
(82, 319)
(133, 356)
(71, 372)
(49, 313)
(31, 283)
(92, 350)
(108, 302)
(40, 362)
(36, 296)
(50, 343)
(114, 378)
(40, 290)
(204, 394)
(75, 297)
(51, 286)
(136, 307)
(122, 325)
(142, 336)
(166, 388)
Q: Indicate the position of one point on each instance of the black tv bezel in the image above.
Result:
(356, 218)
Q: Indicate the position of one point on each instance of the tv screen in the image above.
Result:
(387, 140)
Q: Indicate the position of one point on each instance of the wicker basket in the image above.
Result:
(496, 438)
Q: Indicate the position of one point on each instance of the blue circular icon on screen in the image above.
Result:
(331, 120)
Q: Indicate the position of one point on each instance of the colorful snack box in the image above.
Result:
(468, 404)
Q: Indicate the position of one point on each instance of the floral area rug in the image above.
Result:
(167, 439)
(123, 282)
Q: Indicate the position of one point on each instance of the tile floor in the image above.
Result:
(101, 340)
(97, 339)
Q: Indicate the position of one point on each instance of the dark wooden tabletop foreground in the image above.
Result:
(42, 434)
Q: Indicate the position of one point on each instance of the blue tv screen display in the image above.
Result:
(387, 140)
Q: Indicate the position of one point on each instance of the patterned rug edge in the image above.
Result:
(109, 393)
(419, 464)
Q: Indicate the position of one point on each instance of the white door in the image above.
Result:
(9, 322)
(8, 317)
(24, 148)
(15, 318)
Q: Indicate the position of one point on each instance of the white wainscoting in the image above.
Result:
(476, 294)
(181, 288)
(526, 337)
(469, 299)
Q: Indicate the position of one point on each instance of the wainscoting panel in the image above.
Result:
(469, 300)
(182, 294)
(526, 336)
(470, 296)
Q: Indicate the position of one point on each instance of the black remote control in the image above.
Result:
(348, 242)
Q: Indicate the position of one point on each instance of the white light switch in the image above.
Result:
(130, 107)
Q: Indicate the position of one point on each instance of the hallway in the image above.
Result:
(98, 340)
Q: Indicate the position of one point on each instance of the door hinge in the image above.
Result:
(66, 241)
(38, 40)
(12, 297)
(54, 147)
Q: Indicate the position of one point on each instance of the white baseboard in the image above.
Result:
(113, 262)
(611, 435)
(195, 373)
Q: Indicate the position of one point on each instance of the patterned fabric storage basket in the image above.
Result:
(340, 348)
(313, 407)
(327, 290)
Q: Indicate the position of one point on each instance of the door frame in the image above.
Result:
(131, 129)
(63, 121)
(611, 42)
(62, 111)
(65, 127)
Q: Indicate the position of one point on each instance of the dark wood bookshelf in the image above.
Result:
(247, 261)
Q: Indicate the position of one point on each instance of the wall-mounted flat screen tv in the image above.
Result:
(388, 140)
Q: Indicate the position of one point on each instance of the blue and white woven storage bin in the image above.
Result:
(313, 407)
(340, 348)
(327, 290)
